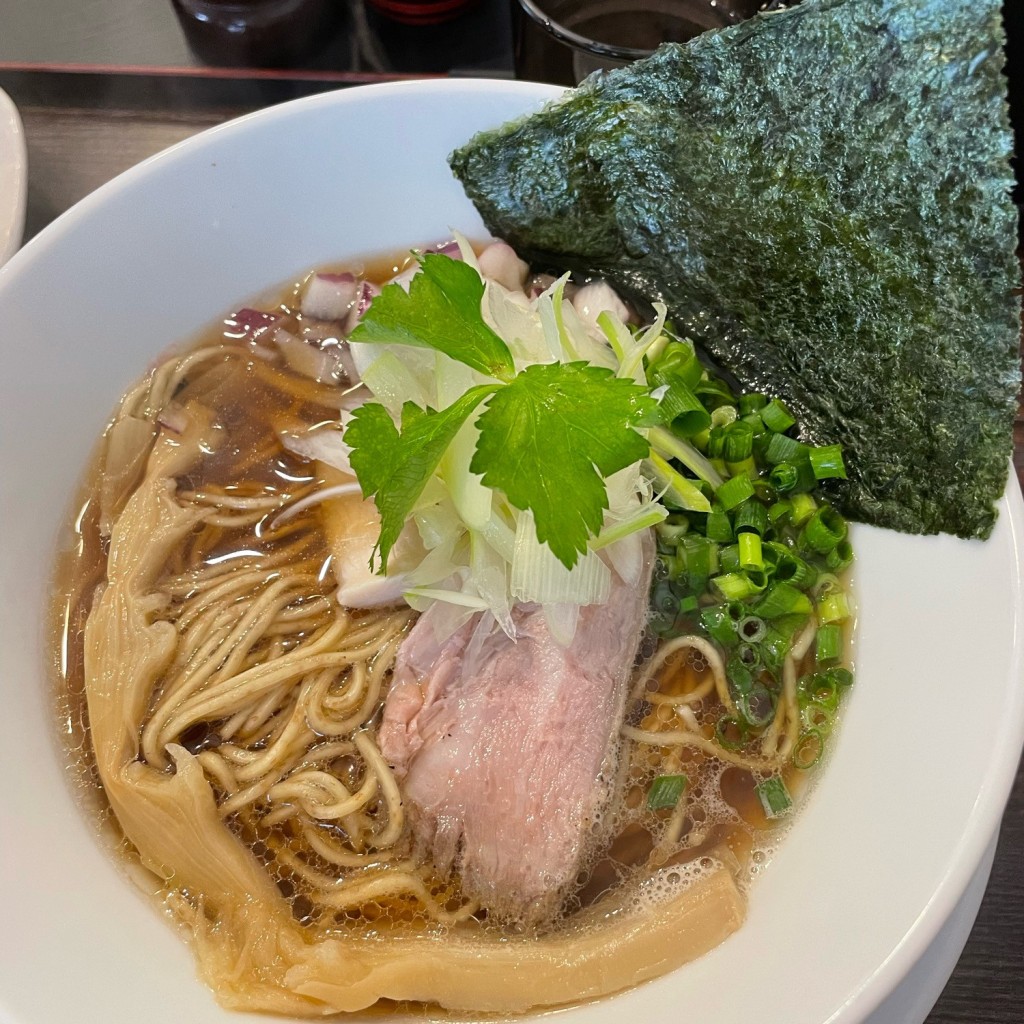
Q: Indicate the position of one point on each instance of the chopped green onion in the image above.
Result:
(738, 443)
(735, 491)
(748, 655)
(840, 677)
(775, 645)
(779, 513)
(818, 716)
(730, 732)
(819, 688)
(670, 532)
(751, 515)
(649, 515)
(751, 629)
(730, 558)
(829, 644)
(782, 599)
(790, 568)
(723, 416)
(808, 750)
(714, 392)
(680, 406)
(833, 607)
(679, 359)
(774, 796)
(690, 603)
(777, 417)
(665, 791)
(827, 462)
(827, 584)
(718, 527)
(824, 530)
(782, 448)
(737, 586)
(745, 467)
(751, 402)
(840, 557)
(753, 420)
(750, 551)
(719, 625)
(741, 679)
(756, 706)
(737, 610)
(784, 477)
(699, 556)
(802, 507)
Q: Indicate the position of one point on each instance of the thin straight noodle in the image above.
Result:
(292, 665)
(330, 851)
(241, 503)
(787, 710)
(711, 656)
(686, 738)
(306, 787)
(215, 765)
(355, 691)
(254, 622)
(394, 884)
(159, 731)
(325, 882)
(389, 789)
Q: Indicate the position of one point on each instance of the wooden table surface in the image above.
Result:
(74, 150)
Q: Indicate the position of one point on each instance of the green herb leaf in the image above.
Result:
(393, 467)
(549, 437)
(441, 311)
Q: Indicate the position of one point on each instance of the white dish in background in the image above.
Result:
(891, 837)
(13, 192)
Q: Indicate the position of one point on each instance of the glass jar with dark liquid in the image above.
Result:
(563, 41)
(255, 33)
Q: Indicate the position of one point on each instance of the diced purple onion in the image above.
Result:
(251, 323)
(368, 291)
(450, 249)
(329, 296)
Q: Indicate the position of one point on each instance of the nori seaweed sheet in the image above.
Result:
(821, 198)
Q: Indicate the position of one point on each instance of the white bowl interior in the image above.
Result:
(929, 741)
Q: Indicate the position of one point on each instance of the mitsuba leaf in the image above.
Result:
(394, 466)
(548, 439)
(441, 311)
(821, 197)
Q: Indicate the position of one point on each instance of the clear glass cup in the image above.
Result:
(563, 41)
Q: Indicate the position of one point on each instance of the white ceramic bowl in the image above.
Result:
(13, 194)
(873, 865)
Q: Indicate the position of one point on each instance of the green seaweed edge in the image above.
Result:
(821, 198)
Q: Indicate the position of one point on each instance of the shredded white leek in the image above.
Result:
(480, 554)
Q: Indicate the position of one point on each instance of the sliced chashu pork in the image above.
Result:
(506, 748)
